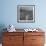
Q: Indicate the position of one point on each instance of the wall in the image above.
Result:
(9, 13)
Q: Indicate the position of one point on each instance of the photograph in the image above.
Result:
(26, 13)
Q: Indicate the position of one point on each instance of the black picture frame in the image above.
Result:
(25, 13)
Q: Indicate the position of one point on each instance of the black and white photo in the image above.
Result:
(26, 13)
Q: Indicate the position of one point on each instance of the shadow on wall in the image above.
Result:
(2, 26)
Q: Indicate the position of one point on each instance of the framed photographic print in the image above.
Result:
(26, 13)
